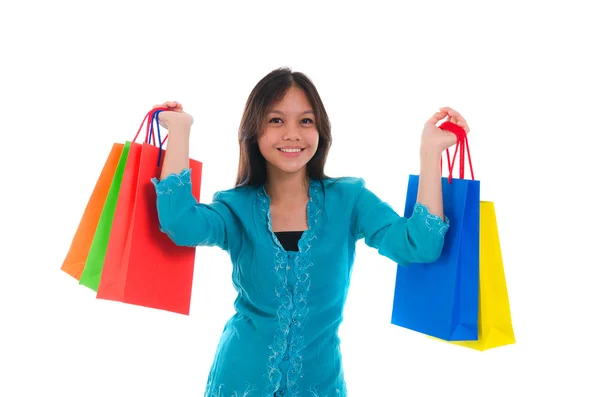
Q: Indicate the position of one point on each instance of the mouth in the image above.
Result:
(291, 150)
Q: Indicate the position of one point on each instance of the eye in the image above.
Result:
(309, 120)
(274, 118)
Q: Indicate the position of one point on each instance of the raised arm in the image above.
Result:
(417, 239)
(181, 217)
(179, 124)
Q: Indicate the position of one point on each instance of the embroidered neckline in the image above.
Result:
(293, 307)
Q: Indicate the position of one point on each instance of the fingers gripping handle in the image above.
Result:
(461, 143)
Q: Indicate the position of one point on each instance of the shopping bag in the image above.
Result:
(77, 255)
(495, 322)
(90, 276)
(441, 299)
(142, 265)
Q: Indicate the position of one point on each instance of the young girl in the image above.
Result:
(291, 233)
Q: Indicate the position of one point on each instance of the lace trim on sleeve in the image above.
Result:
(172, 182)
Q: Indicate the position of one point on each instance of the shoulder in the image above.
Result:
(235, 204)
(343, 192)
(344, 185)
(236, 195)
(351, 192)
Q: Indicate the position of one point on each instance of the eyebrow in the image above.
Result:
(305, 112)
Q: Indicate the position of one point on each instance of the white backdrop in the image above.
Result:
(78, 76)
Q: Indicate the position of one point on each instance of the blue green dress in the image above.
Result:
(283, 339)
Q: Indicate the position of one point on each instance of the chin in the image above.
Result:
(290, 169)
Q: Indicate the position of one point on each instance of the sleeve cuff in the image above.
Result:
(433, 223)
(172, 182)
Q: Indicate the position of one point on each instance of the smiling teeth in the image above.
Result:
(291, 150)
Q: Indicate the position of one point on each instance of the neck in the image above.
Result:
(282, 186)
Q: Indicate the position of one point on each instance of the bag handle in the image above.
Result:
(155, 119)
(461, 142)
(151, 118)
(149, 130)
(160, 142)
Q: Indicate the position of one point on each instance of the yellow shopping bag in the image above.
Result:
(495, 323)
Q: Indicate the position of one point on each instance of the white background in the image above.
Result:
(78, 76)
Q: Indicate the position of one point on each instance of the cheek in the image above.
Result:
(313, 140)
(261, 144)
(264, 142)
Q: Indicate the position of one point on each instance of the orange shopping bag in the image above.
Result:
(74, 262)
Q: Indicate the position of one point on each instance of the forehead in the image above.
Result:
(294, 101)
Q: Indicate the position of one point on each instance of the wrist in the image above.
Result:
(179, 128)
(428, 152)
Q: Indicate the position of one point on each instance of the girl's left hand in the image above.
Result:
(436, 140)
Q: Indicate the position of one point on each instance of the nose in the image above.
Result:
(292, 133)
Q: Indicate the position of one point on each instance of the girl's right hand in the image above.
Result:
(175, 116)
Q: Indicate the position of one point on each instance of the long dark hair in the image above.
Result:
(252, 169)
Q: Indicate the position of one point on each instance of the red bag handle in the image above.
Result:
(461, 142)
(148, 119)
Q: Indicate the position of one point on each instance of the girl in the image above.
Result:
(291, 232)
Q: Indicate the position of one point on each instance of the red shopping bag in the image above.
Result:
(143, 266)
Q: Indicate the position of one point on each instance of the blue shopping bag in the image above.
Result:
(441, 299)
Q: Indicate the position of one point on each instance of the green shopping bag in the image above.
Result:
(90, 277)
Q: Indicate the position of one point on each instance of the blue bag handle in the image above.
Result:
(160, 142)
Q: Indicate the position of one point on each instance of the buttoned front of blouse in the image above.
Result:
(283, 339)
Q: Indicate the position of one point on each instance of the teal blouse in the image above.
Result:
(283, 339)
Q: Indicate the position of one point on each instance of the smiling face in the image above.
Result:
(290, 137)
